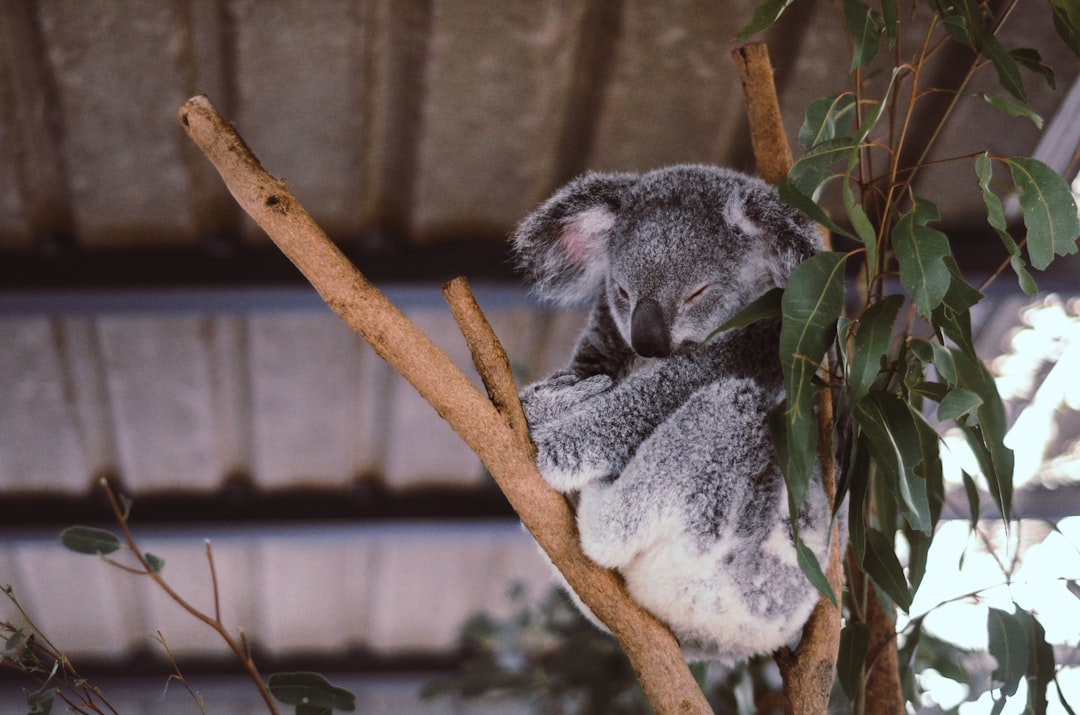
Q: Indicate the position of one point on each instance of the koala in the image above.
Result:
(660, 435)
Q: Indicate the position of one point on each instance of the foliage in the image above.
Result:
(899, 381)
(549, 656)
(29, 651)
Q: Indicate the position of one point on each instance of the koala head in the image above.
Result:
(673, 252)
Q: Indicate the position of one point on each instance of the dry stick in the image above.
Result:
(808, 671)
(653, 651)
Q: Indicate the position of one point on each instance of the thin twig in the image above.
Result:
(214, 623)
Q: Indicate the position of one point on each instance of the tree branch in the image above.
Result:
(653, 651)
(809, 670)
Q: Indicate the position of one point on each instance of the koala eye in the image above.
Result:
(622, 293)
(696, 295)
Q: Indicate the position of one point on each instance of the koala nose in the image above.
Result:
(648, 331)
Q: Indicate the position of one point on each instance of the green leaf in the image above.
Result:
(918, 553)
(987, 438)
(808, 563)
(890, 16)
(958, 405)
(811, 304)
(815, 167)
(765, 15)
(1040, 662)
(854, 647)
(884, 568)
(995, 215)
(16, 640)
(865, 26)
(812, 569)
(791, 195)
(972, 492)
(921, 251)
(1007, 71)
(1032, 60)
(1067, 23)
(313, 710)
(931, 473)
(827, 118)
(764, 307)
(89, 540)
(1011, 108)
(156, 563)
(856, 477)
(1009, 647)
(873, 335)
(40, 702)
(896, 448)
(310, 689)
(1049, 210)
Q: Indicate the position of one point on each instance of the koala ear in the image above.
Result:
(562, 246)
(782, 236)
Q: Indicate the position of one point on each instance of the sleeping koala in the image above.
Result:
(665, 441)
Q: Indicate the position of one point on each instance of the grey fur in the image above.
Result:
(678, 481)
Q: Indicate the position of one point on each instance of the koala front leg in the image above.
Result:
(548, 399)
(598, 435)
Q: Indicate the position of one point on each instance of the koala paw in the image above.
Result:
(550, 398)
(564, 467)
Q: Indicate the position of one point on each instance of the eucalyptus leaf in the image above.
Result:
(808, 563)
(1067, 23)
(89, 540)
(1007, 70)
(156, 563)
(890, 16)
(857, 478)
(971, 490)
(865, 26)
(885, 569)
(995, 215)
(790, 194)
(766, 306)
(764, 16)
(1013, 109)
(920, 251)
(1008, 644)
(40, 702)
(827, 118)
(895, 446)
(310, 689)
(811, 305)
(1049, 210)
(1032, 60)
(873, 335)
(816, 167)
(958, 405)
(854, 647)
(988, 437)
(1040, 662)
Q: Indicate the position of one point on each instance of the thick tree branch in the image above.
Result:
(808, 671)
(652, 649)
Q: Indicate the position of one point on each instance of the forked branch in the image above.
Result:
(488, 431)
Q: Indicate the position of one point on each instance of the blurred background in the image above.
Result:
(150, 334)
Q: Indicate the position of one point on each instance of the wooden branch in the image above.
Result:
(763, 112)
(809, 670)
(652, 649)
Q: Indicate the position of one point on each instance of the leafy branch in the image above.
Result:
(310, 693)
(897, 381)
